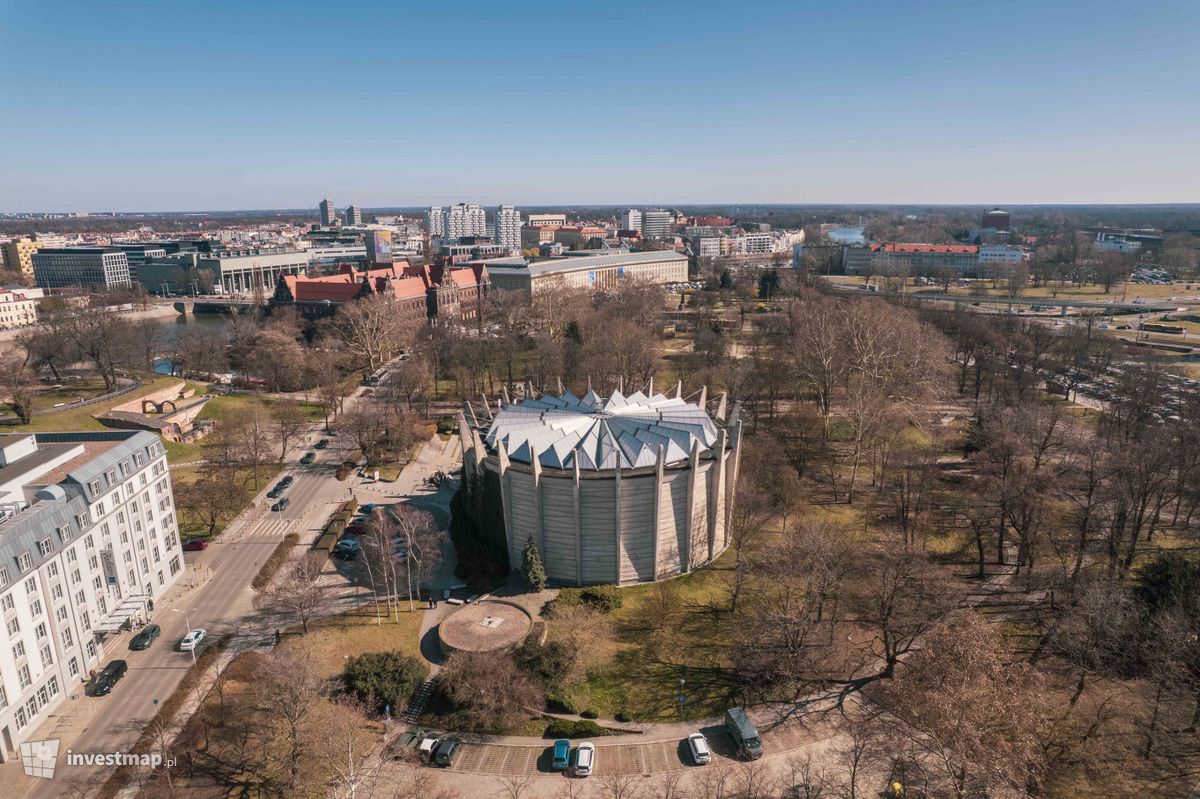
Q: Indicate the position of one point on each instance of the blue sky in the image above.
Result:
(208, 104)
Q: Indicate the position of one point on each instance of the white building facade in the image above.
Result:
(435, 220)
(508, 227)
(466, 220)
(88, 539)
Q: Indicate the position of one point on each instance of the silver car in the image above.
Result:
(698, 745)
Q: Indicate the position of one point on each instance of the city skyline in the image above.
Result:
(809, 104)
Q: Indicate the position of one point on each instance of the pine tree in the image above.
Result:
(535, 572)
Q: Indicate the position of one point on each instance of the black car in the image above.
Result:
(322, 444)
(445, 752)
(274, 493)
(146, 637)
(103, 682)
(287, 481)
(281, 504)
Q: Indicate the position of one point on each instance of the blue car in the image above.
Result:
(562, 755)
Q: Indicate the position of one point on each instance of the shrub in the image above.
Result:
(623, 716)
(447, 425)
(384, 678)
(273, 564)
(567, 728)
(550, 662)
(590, 714)
(535, 572)
(604, 598)
(561, 702)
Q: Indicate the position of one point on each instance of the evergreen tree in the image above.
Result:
(535, 572)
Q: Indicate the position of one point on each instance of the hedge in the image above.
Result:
(567, 728)
(274, 563)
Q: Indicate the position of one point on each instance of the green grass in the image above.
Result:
(82, 419)
(189, 474)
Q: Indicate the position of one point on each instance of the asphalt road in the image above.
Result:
(224, 604)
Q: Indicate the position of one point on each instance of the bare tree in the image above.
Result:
(19, 385)
(296, 594)
(494, 693)
(290, 423)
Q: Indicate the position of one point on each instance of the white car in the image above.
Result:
(698, 744)
(585, 759)
(192, 640)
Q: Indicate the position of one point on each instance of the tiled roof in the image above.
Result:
(944, 249)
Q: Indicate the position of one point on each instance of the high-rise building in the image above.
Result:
(435, 220)
(18, 256)
(90, 541)
(90, 267)
(379, 247)
(632, 220)
(656, 223)
(466, 220)
(328, 213)
(508, 227)
(353, 215)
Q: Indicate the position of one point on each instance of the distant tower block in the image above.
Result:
(623, 489)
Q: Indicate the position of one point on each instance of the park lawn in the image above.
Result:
(83, 419)
(190, 528)
(330, 640)
(228, 406)
(71, 391)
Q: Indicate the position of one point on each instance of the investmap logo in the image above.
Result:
(38, 758)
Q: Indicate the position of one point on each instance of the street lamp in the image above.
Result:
(188, 622)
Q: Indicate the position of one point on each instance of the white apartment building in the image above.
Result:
(656, 223)
(631, 220)
(19, 307)
(435, 220)
(466, 220)
(508, 227)
(88, 539)
(707, 246)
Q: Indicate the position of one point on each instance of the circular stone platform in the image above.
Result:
(483, 627)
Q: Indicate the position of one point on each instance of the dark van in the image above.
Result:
(103, 682)
(744, 735)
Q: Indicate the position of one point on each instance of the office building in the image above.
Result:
(912, 260)
(327, 213)
(354, 215)
(587, 269)
(18, 256)
(379, 247)
(508, 227)
(245, 271)
(435, 220)
(656, 224)
(88, 540)
(19, 307)
(547, 220)
(618, 489)
(465, 220)
(534, 236)
(96, 268)
(631, 220)
(580, 238)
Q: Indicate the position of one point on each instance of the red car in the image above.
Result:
(194, 545)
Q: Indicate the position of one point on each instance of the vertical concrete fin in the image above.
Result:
(659, 470)
(578, 528)
(620, 539)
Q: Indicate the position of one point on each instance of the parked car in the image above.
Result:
(744, 734)
(104, 681)
(308, 458)
(146, 637)
(698, 745)
(274, 493)
(281, 504)
(192, 639)
(446, 750)
(585, 759)
(346, 549)
(286, 482)
(195, 545)
(323, 443)
(562, 755)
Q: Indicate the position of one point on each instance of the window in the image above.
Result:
(145, 566)
(73, 667)
(56, 591)
(3, 698)
(124, 536)
(60, 613)
(91, 650)
(24, 562)
(7, 602)
(65, 534)
(40, 630)
(132, 577)
(23, 677)
(93, 563)
(75, 578)
(19, 718)
(142, 479)
(94, 487)
(52, 686)
(3, 575)
(100, 509)
(110, 477)
(31, 586)
(124, 467)
(67, 639)
(79, 600)
(84, 520)
(96, 582)
(85, 621)
(174, 564)
(102, 603)
(18, 650)
(156, 557)
(138, 459)
(127, 556)
(52, 569)
(47, 656)
(35, 607)
(89, 542)
(44, 547)
(120, 517)
(71, 556)
(42, 697)
(14, 627)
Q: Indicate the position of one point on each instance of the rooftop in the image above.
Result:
(598, 433)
